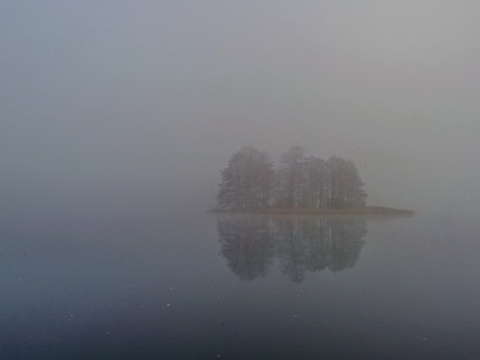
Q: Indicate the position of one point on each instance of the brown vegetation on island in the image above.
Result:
(366, 210)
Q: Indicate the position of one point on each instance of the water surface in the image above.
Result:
(149, 284)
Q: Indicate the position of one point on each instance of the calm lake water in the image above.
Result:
(143, 284)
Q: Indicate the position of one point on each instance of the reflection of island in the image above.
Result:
(250, 244)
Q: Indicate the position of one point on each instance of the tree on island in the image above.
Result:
(247, 181)
(250, 181)
(291, 178)
(343, 184)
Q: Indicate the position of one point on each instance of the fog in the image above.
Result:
(145, 102)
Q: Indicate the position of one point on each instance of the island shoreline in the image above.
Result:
(362, 211)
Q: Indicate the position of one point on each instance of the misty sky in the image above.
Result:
(155, 96)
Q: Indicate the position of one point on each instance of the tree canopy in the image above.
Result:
(252, 181)
(247, 181)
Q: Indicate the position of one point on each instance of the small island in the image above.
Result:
(251, 183)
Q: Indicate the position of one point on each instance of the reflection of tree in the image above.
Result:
(291, 248)
(345, 243)
(247, 245)
(301, 244)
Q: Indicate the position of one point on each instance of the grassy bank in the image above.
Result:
(367, 210)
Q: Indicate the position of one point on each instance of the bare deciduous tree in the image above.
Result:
(247, 181)
(251, 182)
(291, 177)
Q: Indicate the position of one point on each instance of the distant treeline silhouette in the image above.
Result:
(252, 181)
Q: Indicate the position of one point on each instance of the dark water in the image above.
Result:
(153, 285)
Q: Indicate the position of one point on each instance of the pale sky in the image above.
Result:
(155, 96)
